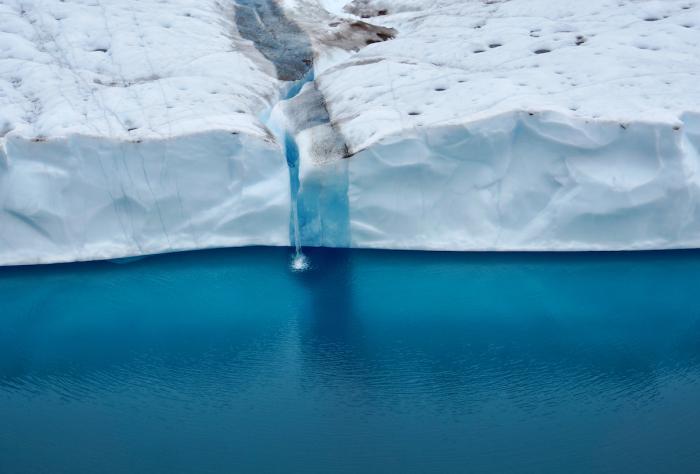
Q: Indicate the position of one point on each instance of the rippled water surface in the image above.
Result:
(228, 362)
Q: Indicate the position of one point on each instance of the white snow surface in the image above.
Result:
(520, 125)
(135, 127)
(463, 61)
(127, 69)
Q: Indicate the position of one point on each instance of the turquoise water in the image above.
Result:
(225, 361)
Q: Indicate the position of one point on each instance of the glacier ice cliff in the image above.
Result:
(523, 181)
(131, 128)
(86, 198)
(137, 128)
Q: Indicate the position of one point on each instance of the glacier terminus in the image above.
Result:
(133, 128)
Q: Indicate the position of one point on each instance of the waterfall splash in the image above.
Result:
(299, 262)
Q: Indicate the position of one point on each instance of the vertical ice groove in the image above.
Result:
(288, 48)
(301, 111)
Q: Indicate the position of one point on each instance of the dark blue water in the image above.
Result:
(226, 362)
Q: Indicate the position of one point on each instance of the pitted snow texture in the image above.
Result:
(455, 62)
(127, 69)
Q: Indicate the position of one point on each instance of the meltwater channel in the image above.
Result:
(226, 361)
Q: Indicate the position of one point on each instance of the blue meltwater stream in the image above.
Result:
(227, 362)
(279, 125)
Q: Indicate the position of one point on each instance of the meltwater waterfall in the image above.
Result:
(302, 126)
(291, 151)
(288, 47)
(283, 126)
(300, 121)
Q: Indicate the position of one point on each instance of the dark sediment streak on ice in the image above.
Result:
(278, 38)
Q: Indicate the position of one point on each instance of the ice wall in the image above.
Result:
(87, 198)
(130, 128)
(516, 125)
(529, 182)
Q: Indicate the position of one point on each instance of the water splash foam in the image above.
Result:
(299, 262)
